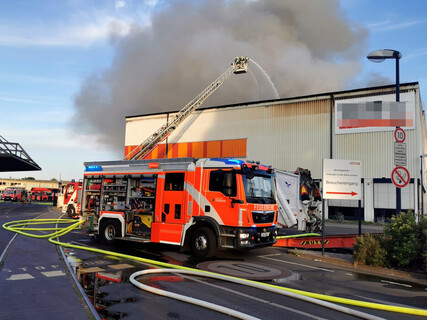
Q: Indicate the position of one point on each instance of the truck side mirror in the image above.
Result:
(228, 184)
(228, 191)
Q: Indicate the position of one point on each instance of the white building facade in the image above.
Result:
(301, 131)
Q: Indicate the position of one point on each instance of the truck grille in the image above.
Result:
(263, 216)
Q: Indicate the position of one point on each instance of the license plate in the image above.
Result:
(265, 234)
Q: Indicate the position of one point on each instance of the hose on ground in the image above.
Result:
(21, 227)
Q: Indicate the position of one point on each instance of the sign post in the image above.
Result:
(341, 181)
(400, 175)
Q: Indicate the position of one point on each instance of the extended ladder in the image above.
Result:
(240, 65)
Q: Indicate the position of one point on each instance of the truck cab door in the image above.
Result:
(221, 188)
(169, 219)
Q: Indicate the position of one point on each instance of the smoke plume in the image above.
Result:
(305, 46)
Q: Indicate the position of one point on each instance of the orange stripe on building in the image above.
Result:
(197, 149)
(161, 151)
(214, 149)
(236, 148)
(183, 150)
(205, 149)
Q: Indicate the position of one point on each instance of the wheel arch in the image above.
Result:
(200, 222)
(113, 217)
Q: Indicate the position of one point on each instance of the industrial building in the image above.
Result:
(301, 131)
(28, 184)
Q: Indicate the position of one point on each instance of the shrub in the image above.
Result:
(423, 242)
(402, 243)
(368, 250)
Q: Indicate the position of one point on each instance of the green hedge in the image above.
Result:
(403, 245)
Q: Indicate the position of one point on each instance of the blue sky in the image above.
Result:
(48, 49)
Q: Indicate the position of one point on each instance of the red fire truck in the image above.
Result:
(71, 203)
(200, 205)
(43, 194)
(14, 194)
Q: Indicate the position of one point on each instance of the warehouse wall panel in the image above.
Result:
(292, 133)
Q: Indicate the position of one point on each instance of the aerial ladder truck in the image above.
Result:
(239, 65)
(197, 204)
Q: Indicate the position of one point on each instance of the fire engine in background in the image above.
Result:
(43, 194)
(299, 200)
(70, 198)
(200, 204)
(15, 194)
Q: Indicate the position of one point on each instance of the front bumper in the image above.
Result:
(256, 237)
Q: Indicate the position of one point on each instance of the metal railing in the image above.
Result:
(14, 149)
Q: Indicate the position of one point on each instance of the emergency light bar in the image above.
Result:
(93, 168)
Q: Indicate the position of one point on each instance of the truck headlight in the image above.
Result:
(244, 235)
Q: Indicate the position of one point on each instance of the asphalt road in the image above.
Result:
(105, 280)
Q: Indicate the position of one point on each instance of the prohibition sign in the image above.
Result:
(400, 177)
(399, 135)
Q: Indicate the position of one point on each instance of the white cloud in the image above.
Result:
(416, 53)
(391, 25)
(8, 99)
(91, 30)
(25, 78)
(120, 4)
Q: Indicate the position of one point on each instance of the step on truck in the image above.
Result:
(202, 205)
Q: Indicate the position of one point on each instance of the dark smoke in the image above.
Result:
(305, 46)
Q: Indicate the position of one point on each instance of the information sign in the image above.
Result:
(400, 154)
(342, 179)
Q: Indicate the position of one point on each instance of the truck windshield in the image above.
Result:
(259, 189)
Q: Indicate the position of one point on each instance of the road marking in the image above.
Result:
(298, 264)
(22, 276)
(51, 274)
(385, 302)
(308, 315)
(397, 283)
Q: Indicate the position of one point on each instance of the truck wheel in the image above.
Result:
(71, 211)
(203, 243)
(109, 231)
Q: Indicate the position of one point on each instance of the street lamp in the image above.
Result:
(379, 56)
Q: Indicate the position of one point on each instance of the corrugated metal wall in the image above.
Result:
(298, 135)
(286, 136)
(293, 133)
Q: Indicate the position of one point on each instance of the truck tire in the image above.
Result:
(203, 243)
(109, 231)
(71, 211)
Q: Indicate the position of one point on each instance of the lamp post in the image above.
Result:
(379, 56)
